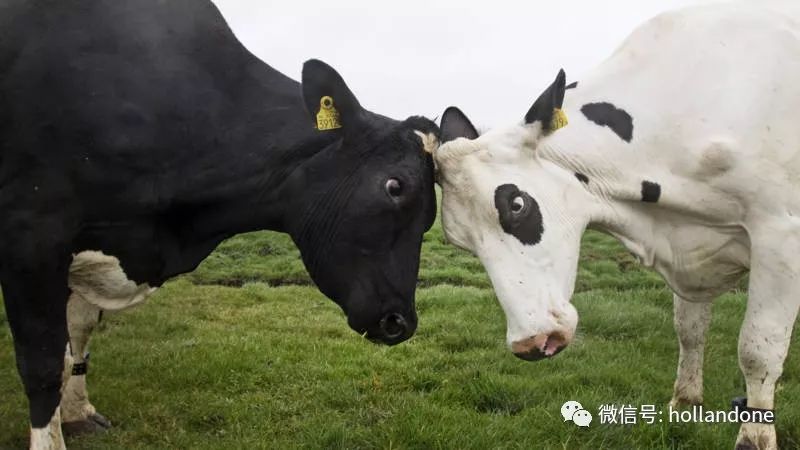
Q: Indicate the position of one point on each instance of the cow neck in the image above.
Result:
(241, 184)
(613, 200)
(629, 196)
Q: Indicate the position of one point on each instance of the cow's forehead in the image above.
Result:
(498, 146)
(506, 145)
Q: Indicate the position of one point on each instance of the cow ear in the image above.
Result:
(455, 124)
(328, 100)
(547, 107)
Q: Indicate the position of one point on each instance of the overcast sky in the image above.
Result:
(490, 58)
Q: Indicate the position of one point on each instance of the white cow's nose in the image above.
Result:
(542, 345)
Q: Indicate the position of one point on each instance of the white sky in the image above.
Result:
(400, 58)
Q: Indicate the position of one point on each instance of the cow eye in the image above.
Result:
(517, 204)
(393, 187)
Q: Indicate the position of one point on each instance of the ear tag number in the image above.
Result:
(559, 119)
(328, 116)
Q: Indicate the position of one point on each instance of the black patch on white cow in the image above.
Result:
(608, 115)
(582, 178)
(650, 191)
(519, 214)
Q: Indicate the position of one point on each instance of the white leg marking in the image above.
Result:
(691, 323)
(49, 437)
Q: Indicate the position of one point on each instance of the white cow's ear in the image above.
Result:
(328, 100)
(546, 110)
(455, 124)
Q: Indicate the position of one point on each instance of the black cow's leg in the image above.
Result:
(35, 296)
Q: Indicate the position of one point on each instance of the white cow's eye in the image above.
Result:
(393, 187)
(517, 204)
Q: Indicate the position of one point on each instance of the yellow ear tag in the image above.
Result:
(559, 120)
(328, 116)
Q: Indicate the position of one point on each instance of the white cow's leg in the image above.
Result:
(772, 307)
(691, 321)
(98, 284)
(77, 413)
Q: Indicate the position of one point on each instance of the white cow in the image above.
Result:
(685, 145)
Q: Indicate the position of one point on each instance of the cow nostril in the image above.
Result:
(393, 325)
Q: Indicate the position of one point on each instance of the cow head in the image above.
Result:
(362, 205)
(521, 215)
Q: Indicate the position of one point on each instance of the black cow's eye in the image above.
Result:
(517, 204)
(393, 187)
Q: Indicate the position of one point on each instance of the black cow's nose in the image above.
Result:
(393, 326)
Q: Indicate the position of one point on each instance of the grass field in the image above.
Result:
(245, 353)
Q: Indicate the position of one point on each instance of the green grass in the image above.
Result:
(245, 353)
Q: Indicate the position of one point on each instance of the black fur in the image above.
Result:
(455, 124)
(552, 98)
(525, 224)
(650, 191)
(608, 115)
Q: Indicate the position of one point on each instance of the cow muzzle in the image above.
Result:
(540, 346)
(392, 329)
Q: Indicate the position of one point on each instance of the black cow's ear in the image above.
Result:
(455, 124)
(545, 107)
(328, 100)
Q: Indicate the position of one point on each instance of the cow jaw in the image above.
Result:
(534, 292)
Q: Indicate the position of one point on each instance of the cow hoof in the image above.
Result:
(681, 403)
(95, 423)
(745, 445)
(756, 436)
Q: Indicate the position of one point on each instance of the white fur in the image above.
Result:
(713, 94)
(100, 281)
(82, 318)
(691, 324)
(49, 437)
(429, 141)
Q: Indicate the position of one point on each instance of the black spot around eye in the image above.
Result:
(650, 191)
(582, 178)
(525, 225)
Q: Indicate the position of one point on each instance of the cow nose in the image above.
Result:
(394, 326)
(540, 346)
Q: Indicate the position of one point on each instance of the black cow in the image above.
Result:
(145, 130)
